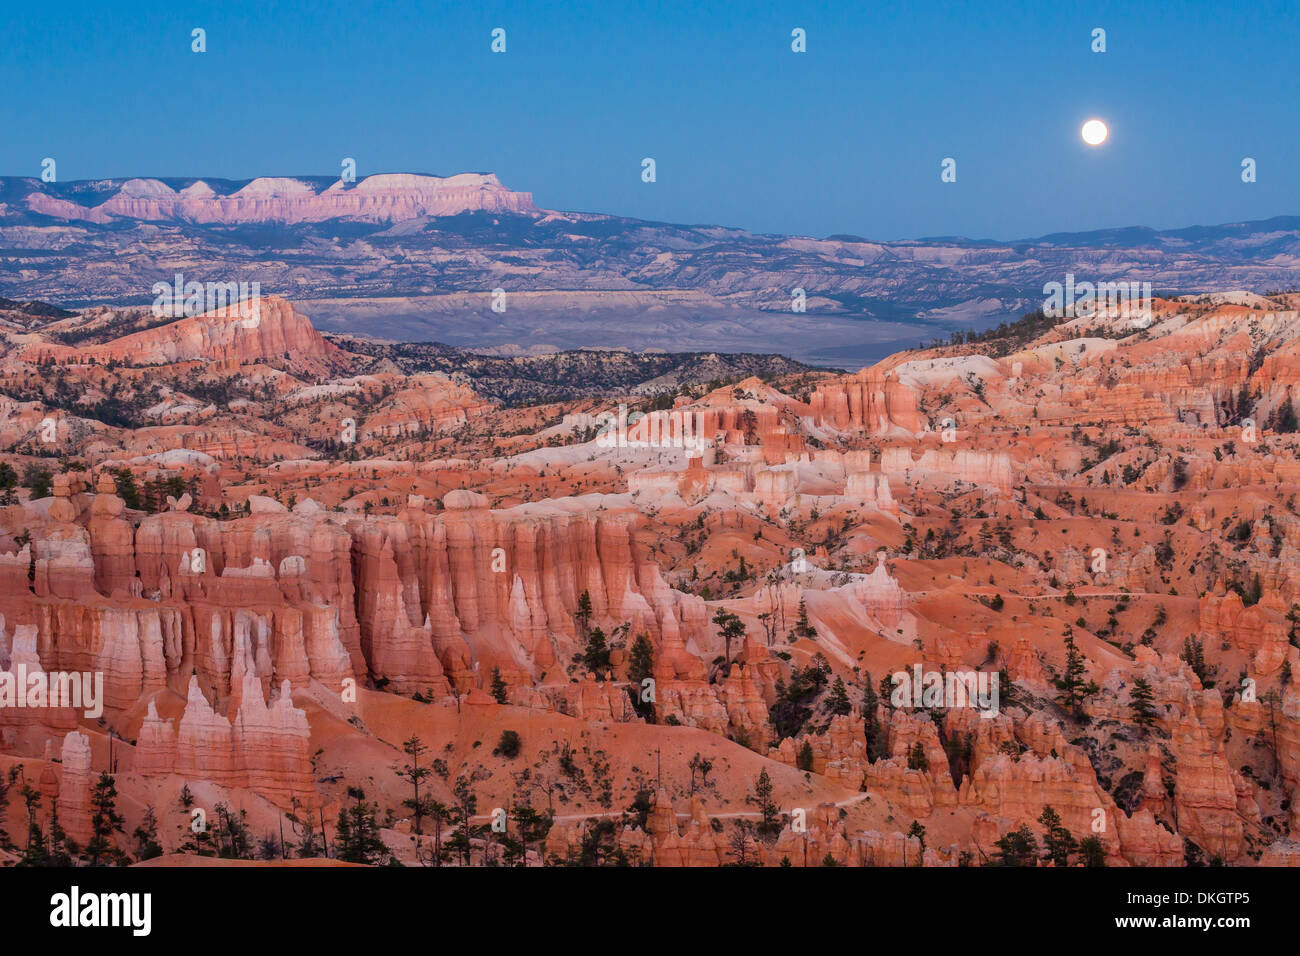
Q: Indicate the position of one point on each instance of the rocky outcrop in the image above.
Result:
(1254, 629)
(28, 694)
(1206, 792)
(839, 754)
(263, 748)
(871, 401)
(872, 489)
(501, 588)
(426, 404)
(398, 645)
(947, 467)
(881, 594)
(265, 329)
(75, 782)
(112, 540)
(1017, 790)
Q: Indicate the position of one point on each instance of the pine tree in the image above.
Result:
(1092, 852)
(358, 832)
(640, 668)
(439, 813)
(1284, 419)
(126, 487)
(838, 702)
(308, 846)
(583, 614)
(918, 831)
(596, 656)
(415, 775)
(804, 759)
(1244, 404)
(268, 848)
(1072, 684)
(871, 730)
(104, 821)
(500, 690)
(6, 783)
(641, 660)
(39, 481)
(702, 766)
(802, 627)
(771, 816)
(532, 826)
(739, 842)
(1252, 594)
(1140, 702)
(1272, 702)
(61, 849)
(233, 839)
(887, 692)
(916, 758)
(35, 852)
(1193, 654)
(1057, 840)
(1017, 848)
(730, 628)
(466, 806)
(146, 836)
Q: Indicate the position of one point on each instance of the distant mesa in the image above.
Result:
(388, 197)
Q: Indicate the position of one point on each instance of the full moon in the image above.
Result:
(1094, 132)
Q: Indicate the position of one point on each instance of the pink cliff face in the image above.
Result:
(387, 197)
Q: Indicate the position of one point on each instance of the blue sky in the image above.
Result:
(846, 138)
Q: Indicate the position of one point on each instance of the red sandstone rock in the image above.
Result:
(75, 784)
(316, 577)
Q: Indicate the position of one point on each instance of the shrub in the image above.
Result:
(509, 744)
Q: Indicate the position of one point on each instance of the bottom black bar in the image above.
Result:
(305, 904)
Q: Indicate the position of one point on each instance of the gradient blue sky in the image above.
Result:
(845, 138)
